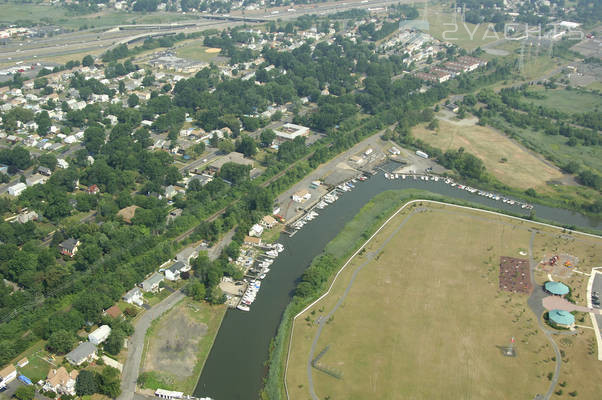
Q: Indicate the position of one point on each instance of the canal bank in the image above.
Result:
(236, 364)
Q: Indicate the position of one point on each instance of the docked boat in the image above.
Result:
(242, 307)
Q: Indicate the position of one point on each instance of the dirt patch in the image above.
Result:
(213, 50)
(173, 347)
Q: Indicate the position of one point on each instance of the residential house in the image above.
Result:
(186, 254)
(173, 272)
(36, 179)
(84, 352)
(301, 196)
(17, 189)
(113, 312)
(7, 375)
(61, 163)
(61, 382)
(151, 284)
(69, 247)
(256, 230)
(26, 217)
(93, 189)
(268, 222)
(44, 170)
(133, 296)
(99, 335)
(22, 362)
(252, 241)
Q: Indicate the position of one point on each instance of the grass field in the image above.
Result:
(522, 169)
(465, 35)
(38, 367)
(424, 319)
(572, 101)
(555, 148)
(178, 344)
(194, 50)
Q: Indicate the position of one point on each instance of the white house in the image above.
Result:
(256, 230)
(17, 189)
(268, 222)
(134, 296)
(301, 196)
(7, 375)
(173, 273)
(151, 284)
(99, 335)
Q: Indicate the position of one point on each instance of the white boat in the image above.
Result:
(242, 307)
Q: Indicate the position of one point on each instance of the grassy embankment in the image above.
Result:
(427, 297)
(177, 344)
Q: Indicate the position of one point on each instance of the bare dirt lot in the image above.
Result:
(170, 348)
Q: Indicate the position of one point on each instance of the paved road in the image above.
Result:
(131, 367)
(597, 287)
(535, 304)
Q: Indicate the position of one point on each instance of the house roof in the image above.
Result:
(6, 371)
(268, 219)
(100, 333)
(81, 352)
(561, 317)
(251, 239)
(132, 292)
(177, 266)
(113, 312)
(153, 279)
(60, 377)
(69, 244)
(557, 288)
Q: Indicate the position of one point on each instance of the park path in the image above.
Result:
(131, 368)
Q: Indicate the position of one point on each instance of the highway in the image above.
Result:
(95, 40)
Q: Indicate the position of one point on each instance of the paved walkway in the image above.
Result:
(559, 303)
(131, 368)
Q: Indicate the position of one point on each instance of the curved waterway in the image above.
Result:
(236, 364)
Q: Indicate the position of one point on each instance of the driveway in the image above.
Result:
(131, 368)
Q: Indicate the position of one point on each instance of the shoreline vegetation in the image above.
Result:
(321, 271)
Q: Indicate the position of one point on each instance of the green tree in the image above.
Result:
(114, 342)
(133, 100)
(109, 382)
(225, 146)
(247, 146)
(267, 137)
(48, 160)
(196, 290)
(61, 342)
(85, 383)
(88, 61)
(27, 392)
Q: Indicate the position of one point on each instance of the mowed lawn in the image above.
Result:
(509, 162)
(425, 319)
(195, 51)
